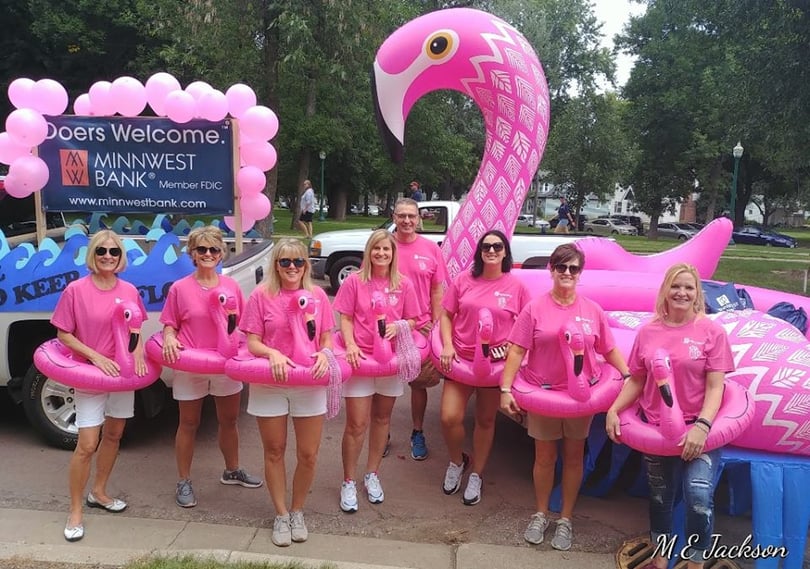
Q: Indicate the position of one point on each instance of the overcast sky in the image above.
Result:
(614, 14)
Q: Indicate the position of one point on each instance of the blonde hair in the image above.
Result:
(95, 241)
(210, 235)
(287, 247)
(394, 276)
(673, 273)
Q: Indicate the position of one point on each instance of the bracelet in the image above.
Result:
(506, 390)
(702, 427)
(627, 375)
(704, 422)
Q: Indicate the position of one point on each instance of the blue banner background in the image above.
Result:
(123, 165)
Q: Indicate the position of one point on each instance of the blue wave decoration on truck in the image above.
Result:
(32, 279)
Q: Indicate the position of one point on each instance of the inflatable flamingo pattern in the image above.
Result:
(58, 362)
(485, 58)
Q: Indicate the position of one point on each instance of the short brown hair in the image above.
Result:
(565, 253)
(208, 234)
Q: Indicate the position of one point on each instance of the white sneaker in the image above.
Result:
(297, 526)
(281, 531)
(452, 477)
(348, 496)
(472, 493)
(374, 488)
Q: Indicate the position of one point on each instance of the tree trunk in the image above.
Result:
(305, 155)
(270, 13)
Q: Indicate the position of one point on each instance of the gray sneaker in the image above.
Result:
(282, 534)
(298, 527)
(472, 494)
(453, 474)
(535, 532)
(563, 535)
(184, 495)
(240, 477)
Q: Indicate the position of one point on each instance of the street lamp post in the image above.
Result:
(737, 152)
(322, 156)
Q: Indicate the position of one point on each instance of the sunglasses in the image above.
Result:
(113, 251)
(562, 267)
(497, 247)
(298, 262)
(203, 250)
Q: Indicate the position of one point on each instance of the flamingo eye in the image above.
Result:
(127, 314)
(568, 336)
(222, 298)
(439, 45)
(303, 302)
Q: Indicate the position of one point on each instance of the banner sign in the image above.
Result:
(124, 165)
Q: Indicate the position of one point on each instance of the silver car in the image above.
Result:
(606, 226)
(679, 231)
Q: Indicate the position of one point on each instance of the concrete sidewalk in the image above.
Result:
(113, 540)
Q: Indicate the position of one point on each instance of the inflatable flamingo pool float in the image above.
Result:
(58, 362)
(222, 308)
(248, 368)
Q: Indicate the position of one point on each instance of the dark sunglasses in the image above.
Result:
(298, 262)
(562, 267)
(497, 247)
(113, 251)
(203, 250)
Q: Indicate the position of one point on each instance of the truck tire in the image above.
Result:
(50, 409)
(341, 269)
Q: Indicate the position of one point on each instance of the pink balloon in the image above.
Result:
(247, 222)
(250, 180)
(259, 154)
(240, 98)
(10, 150)
(258, 123)
(129, 95)
(30, 171)
(258, 205)
(212, 105)
(82, 105)
(197, 89)
(26, 127)
(49, 97)
(180, 106)
(19, 92)
(101, 100)
(15, 188)
(158, 86)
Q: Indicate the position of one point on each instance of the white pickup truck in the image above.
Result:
(336, 254)
(25, 324)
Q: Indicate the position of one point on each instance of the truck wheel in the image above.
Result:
(50, 409)
(342, 269)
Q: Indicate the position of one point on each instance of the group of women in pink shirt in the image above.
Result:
(522, 335)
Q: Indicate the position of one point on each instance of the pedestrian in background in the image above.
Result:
(306, 209)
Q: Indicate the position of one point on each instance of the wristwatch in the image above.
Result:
(506, 390)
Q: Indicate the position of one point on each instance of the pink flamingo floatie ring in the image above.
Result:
(223, 310)
(582, 396)
(248, 368)
(481, 371)
(58, 362)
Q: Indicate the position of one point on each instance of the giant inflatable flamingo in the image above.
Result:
(481, 56)
(222, 307)
(58, 362)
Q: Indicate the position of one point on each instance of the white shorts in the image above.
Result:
(366, 386)
(189, 386)
(93, 406)
(272, 401)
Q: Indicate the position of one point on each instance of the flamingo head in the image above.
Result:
(222, 302)
(485, 327)
(573, 340)
(461, 49)
(378, 306)
(305, 303)
(129, 315)
(661, 367)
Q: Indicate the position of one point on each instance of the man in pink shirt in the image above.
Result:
(420, 260)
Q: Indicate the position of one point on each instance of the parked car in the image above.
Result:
(359, 209)
(759, 236)
(580, 224)
(608, 226)
(633, 220)
(679, 231)
(526, 220)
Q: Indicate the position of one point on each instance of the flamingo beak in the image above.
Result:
(311, 329)
(134, 336)
(395, 148)
(485, 349)
(381, 327)
(666, 394)
(231, 323)
(579, 361)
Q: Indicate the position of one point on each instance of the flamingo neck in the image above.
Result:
(122, 356)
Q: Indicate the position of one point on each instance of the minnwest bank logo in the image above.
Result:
(74, 167)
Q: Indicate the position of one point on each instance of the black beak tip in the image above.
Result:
(666, 395)
(133, 341)
(381, 328)
(579, 361)
(311, 330)
(485, 350)
(231, 323)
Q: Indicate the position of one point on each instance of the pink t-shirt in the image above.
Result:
(695, 348)
(85, 311)
(187, 310)
(537, 330)
(272, 317)
(505, 297)
(422, 262)
(354, 299)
